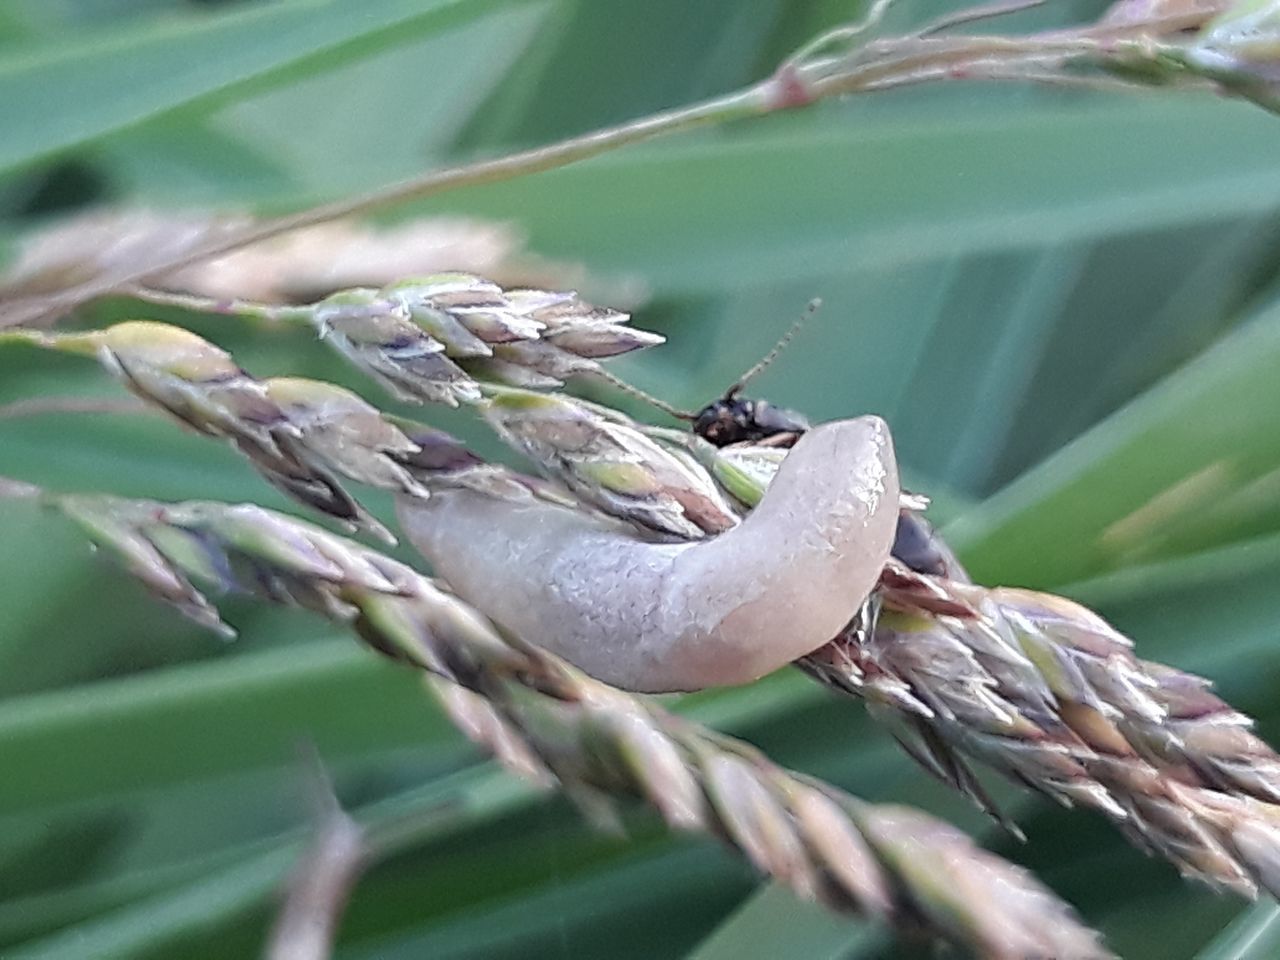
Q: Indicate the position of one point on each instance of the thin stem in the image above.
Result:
(600, 744)
(39, 406)
(322, 881)
(875, 66)
(195, 303)
(987, 11)
(841, 34)
(1160, 27)
(1055, 78)
(752, 101)
(921, 60)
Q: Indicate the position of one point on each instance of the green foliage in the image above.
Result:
(1061, 301)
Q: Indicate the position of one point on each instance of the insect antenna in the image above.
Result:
(648, 398)
(783, 342)
(733, 391)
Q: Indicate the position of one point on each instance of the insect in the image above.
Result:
(736, 419)
(733, 418)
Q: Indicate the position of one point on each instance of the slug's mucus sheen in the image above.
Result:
(660, 616)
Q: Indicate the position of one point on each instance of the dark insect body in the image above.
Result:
(735, 419)
(918, 545)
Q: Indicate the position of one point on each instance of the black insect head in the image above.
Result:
(736, 419)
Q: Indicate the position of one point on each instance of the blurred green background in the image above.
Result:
(1064, 302)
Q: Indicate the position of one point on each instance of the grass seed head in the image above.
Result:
(611, 465)
(546, 720)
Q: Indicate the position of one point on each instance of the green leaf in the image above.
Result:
(772, 922)
(712, 211)
(202, 720)
(1254, 935)
(1003, 270)
(990, 288)
(1189, 465)
(79, 92)
(444, 806)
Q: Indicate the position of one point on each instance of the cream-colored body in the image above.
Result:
(679, 616)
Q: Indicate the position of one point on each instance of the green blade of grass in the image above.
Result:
(202, 720)
(1254, 935)
(983, 179)
(1189, 465)
(772, 922)
(63, 95)
(147, 927)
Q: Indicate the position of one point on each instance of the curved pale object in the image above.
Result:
(679, 616)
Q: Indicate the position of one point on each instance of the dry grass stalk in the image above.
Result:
(301, 435)
(1052, 696)
(542, 717)
(1158, 42)
(304, 435)
(322, 881)
(299, 267)
(610, 464)
(432, 339)
(436, 338)
(1040, 689)
(1049, 694)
